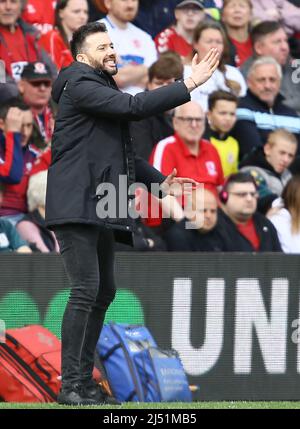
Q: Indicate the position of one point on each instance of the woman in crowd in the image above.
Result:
(207, 35)
(287, 219)
(236, 17)
(69, 15)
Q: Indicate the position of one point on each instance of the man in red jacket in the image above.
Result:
(186, 150)
(18, 41)
(189, 153)
(35, 87)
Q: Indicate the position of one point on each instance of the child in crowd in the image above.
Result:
(221, 117)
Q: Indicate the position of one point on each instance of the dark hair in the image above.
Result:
(13, 102)
(264, 28)
(82, 33)
(221, 95)
(168, 66)
(61, 5)
(238, 178)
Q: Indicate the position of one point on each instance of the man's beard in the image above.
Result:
(110, 71)
(99, 67)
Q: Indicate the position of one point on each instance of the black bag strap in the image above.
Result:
(39, 383)
(137, 391)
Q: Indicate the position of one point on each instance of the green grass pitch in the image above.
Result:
(173, 406)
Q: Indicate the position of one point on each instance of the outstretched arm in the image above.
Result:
(202, 70)
(101, 100)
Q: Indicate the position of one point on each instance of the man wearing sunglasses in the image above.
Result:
(243, 229)
(35, 87)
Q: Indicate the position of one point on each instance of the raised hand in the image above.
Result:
(202, 70)
(14, 120)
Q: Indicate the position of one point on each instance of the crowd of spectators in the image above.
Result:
(238, 136)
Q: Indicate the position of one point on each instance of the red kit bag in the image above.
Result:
(30, 365)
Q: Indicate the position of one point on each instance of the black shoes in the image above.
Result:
(89, 393)
(94, 391)
(71, 395)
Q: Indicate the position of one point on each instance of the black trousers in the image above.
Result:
(88, 256)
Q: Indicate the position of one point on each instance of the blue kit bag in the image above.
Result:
(137, 370)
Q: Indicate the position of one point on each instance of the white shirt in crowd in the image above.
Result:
(216, 82)
(290, 243)
(133, 46)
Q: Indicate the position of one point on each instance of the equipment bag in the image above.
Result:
(137, 369)
(30, 361)
(117, 347)
(19, 383)
(171, 381)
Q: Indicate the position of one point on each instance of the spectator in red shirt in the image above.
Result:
(40, 14)
(189, 154)
(18, 41)
(35, 87)
(236, 16)
(242, 228)
(69, 16)
(179, 38)
(187, 151)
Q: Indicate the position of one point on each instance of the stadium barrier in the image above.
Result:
(233, 318)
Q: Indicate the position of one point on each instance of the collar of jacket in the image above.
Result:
(215, 134)
(110, 80)
(288, 65)
(278, 100)
(103, 74)
(27, 28)
(223, 217)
